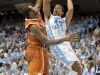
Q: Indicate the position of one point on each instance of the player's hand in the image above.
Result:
(71, 37)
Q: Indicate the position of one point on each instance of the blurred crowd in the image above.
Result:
(13, 47)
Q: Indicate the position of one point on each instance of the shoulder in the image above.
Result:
(34, 29)
(39, 16)
(39, 13)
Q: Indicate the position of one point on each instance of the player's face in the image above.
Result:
(57, 11)
(32, 10)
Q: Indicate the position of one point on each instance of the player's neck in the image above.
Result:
(33, 17)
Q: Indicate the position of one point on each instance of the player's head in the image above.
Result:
(29, 12)
(58, 10)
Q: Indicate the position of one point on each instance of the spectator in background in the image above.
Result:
(89, 70)
(97, 30)
(18, 73)
(9, 72)
(97, 67)
(97, 54)
(14, 65)
(11, 19)
(3, 68)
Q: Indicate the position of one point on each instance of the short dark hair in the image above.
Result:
(20, 67)
(8, 65)
(61, 7)
(26, 10)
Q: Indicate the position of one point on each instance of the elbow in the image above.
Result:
(71, 9)
(47, 43)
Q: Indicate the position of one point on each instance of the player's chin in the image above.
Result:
(55, 14)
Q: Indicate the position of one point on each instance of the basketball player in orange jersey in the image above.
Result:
(36, 54)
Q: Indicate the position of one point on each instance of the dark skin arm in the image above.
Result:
(35, 30)
(37, 6)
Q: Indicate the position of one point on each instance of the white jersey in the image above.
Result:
(58, 26)
(55, 29)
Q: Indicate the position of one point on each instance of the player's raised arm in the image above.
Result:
(38, 4)
(46, 9)
(69, 13)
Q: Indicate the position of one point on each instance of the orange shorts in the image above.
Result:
(37, 58)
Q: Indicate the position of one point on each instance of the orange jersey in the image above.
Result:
(32, 40)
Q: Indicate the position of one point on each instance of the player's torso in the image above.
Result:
(32, 40)
(58, 26)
